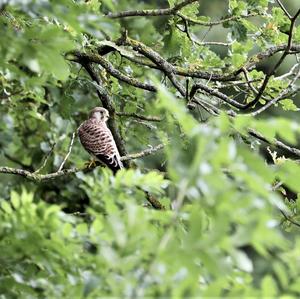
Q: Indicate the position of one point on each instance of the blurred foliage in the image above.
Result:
(228, 230)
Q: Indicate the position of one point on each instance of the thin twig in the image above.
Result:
(151, 12)
(277, 65)
(16, 161)
(282, 95)
(284, 9)
(290, 73)
(275, 142)
(222, 21)
(215, 93)
(139, 116)
(46, 158)
(144, 153)
(68, 153)
(289, 219)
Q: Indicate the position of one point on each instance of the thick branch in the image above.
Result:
(111, 70)
(38, 177)
(162, 64)
(185, 72)
(191, 72)
(158, 62)
(65, 172)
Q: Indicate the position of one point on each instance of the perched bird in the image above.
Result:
(98, 140)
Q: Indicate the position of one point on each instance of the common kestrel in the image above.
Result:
(98, 140)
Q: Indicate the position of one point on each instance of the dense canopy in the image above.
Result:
(203, 100)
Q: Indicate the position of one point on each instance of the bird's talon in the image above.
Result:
(91, 164)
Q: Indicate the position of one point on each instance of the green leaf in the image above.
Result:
(268, 285)
(288, 105)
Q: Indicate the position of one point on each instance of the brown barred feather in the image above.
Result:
(97, 140)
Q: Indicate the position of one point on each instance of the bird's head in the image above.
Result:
(100, 114)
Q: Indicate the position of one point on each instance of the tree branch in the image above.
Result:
(282, 95)
(45, 160)
(222, 21)
(191, 72)
(139, 116)
(68, 153)
(167, 68)
(277, 65)
(158, 62)
(215, 93)
(284, 9)
(287, 218)
(277, 143)
(144, 153)
(151, 12)
(65, 172)
(163, 65)
(95, 58)
(16, 161)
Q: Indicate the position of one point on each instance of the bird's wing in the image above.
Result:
(97, 139)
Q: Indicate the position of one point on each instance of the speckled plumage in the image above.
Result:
(98, 140)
